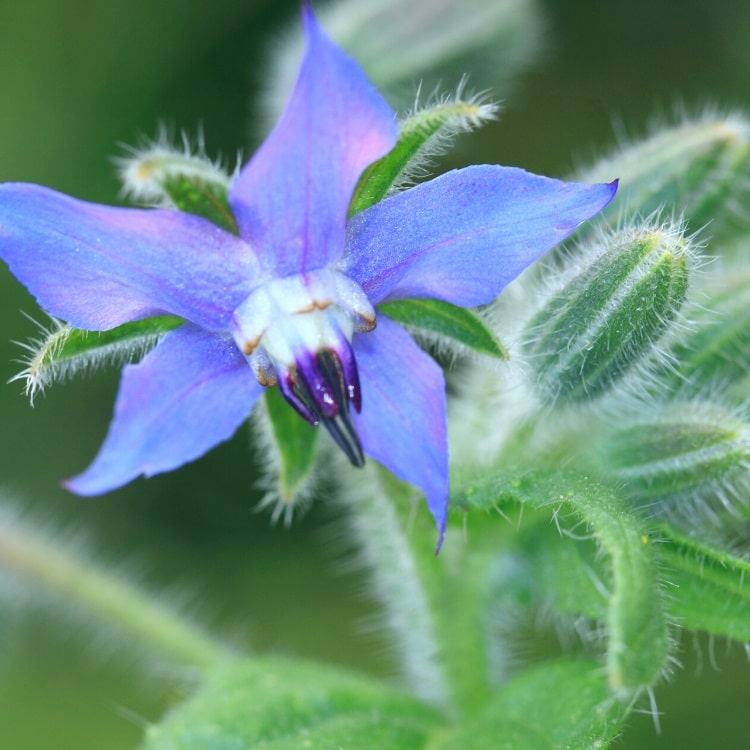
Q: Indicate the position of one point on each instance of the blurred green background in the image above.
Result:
(78, 78)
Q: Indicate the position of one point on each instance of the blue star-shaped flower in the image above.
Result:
(292, 299)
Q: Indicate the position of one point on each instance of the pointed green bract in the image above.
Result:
(64, 351)
(456, 323)
(610, 316)
(559, 704)
(294, 445)
(284, 705)
(420, 136)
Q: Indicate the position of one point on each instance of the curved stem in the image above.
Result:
(46, 564)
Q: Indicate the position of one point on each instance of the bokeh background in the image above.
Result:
(79, 77)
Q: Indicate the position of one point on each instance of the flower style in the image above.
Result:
(292, 299)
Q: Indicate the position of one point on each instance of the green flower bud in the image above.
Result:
(695, 168)
(610, 316)
(686, 451)
(715, 350)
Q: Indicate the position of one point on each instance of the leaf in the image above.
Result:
(561, 704)
(294, 443)
(278, 704)
(420, 135)
(63, 351)
(638, 640)
(447, 320)
(710, 587)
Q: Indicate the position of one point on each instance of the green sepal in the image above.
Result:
(276, 704)
(179, 178)
(559, 704)
(452, 322)
(418, 136)
(710, 589)
(294, 442)
(198, 196)
(64, 351)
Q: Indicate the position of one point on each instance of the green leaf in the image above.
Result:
(64, 351)
(447, 320)
(294, 442)
(419, 136)
(276, 704)
(710, 588)
(638, 641)
(561, 704)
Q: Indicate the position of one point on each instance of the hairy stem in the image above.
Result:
(59, 571)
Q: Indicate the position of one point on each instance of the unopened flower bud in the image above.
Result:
(695, 168)
(714, 352)
(685, 451)
(610, 316)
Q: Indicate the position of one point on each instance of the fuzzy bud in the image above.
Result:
(714, 352)
(610, 315)
(685, 451)
(696, 168)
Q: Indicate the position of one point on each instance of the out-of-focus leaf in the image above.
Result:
(275, 704)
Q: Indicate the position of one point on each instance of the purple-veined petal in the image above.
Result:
(188, 394)
(291, 199)
(463, 236)
(97, 266)
(403, 424)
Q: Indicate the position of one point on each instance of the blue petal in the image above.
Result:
(463, 236)
(291, 199)
(403, 423)
(97, 266)
(188, 394)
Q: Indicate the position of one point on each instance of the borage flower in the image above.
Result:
(291, 300)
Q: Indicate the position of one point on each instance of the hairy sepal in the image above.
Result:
(422, 135)
(185, 179)
(448, 322)
(62, 351)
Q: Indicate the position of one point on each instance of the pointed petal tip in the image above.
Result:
(441, 539)
(441, 521)
(79, 486)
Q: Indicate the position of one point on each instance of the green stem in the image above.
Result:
(80, 585)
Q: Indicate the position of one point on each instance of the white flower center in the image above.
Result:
(286, 319)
